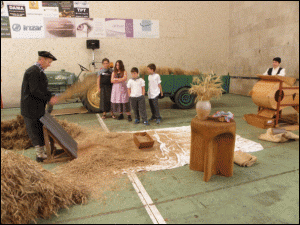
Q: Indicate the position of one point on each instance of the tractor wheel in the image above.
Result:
(172, 98)
(91, 99)
(184, 99)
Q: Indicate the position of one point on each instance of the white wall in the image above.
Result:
(192, 35)
(259, 32)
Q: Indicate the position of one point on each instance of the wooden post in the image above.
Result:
(278, 103)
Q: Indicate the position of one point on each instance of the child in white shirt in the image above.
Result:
(154, 90)
(136, 91)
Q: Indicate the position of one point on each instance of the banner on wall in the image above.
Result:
(59, 27)
(119, 28)
(5, 28)
(66, 9)
(146, 28)
(16, 9)
(30, 27)
(4, 11)
(89, 27)
(81, 9)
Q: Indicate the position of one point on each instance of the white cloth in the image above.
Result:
(153, 90)
(136, 87)
(274, 72)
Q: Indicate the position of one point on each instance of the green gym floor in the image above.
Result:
(267, 192)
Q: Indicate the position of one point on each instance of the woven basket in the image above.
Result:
(143, 140)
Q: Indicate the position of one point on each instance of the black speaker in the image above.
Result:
(92, 44)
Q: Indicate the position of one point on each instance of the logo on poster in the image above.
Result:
(16, 27)
(15, 7)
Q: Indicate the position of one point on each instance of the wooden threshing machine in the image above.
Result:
(272, 94)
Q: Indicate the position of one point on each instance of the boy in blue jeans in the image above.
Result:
(154, 90)
(136, 92)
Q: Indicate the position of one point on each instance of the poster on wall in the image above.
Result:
(66, 9)
(5, 28)
(4, 11)
(34, 8)
(59, 27)
(29, 27)
(81, 9)
(16, 8)
(50, 9)
(89, 27)
(49, 3)
(119, 28)
(146, 28)
(50, 12)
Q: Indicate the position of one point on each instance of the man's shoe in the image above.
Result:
(152, 118)
(129, 118)
(120, 117)
(158, 121)
(136, 121)
(146, 123)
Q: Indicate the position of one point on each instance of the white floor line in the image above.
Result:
(103, 125)
(151, 209)
(153, 212)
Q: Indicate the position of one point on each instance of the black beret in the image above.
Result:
(47, 55)
(277, 59)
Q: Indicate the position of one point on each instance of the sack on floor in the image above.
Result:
(244, 159)
(281, 137)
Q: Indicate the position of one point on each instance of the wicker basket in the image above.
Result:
(143, 140)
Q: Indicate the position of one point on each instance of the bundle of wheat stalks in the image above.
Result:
(80, 87)
(28, 191)
(206, 86)
(14, 134)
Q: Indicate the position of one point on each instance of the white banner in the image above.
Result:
(145, 28)
(89, 27)
(59, 27)
(32, 27)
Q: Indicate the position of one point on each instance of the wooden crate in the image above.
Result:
(143, 140)
(259, 121)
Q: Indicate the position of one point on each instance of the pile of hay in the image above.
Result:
(168, 70)
(14, 134)
(28, 191)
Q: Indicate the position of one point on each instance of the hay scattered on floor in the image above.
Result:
(28, 191)
(104, 156)
(14, 134)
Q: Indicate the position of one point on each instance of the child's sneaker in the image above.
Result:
(129, 118)
(152, 118)
(120, 117)
(146, 123)
(136, 121)
(158, 121)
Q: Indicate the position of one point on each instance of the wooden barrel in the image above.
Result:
(265, 94)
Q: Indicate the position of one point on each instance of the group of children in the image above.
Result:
(117, 96)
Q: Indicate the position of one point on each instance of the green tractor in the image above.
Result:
(59, 81)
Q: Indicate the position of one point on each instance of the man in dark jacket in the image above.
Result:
(34, 97)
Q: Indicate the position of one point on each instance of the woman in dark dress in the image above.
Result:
(105, 86)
